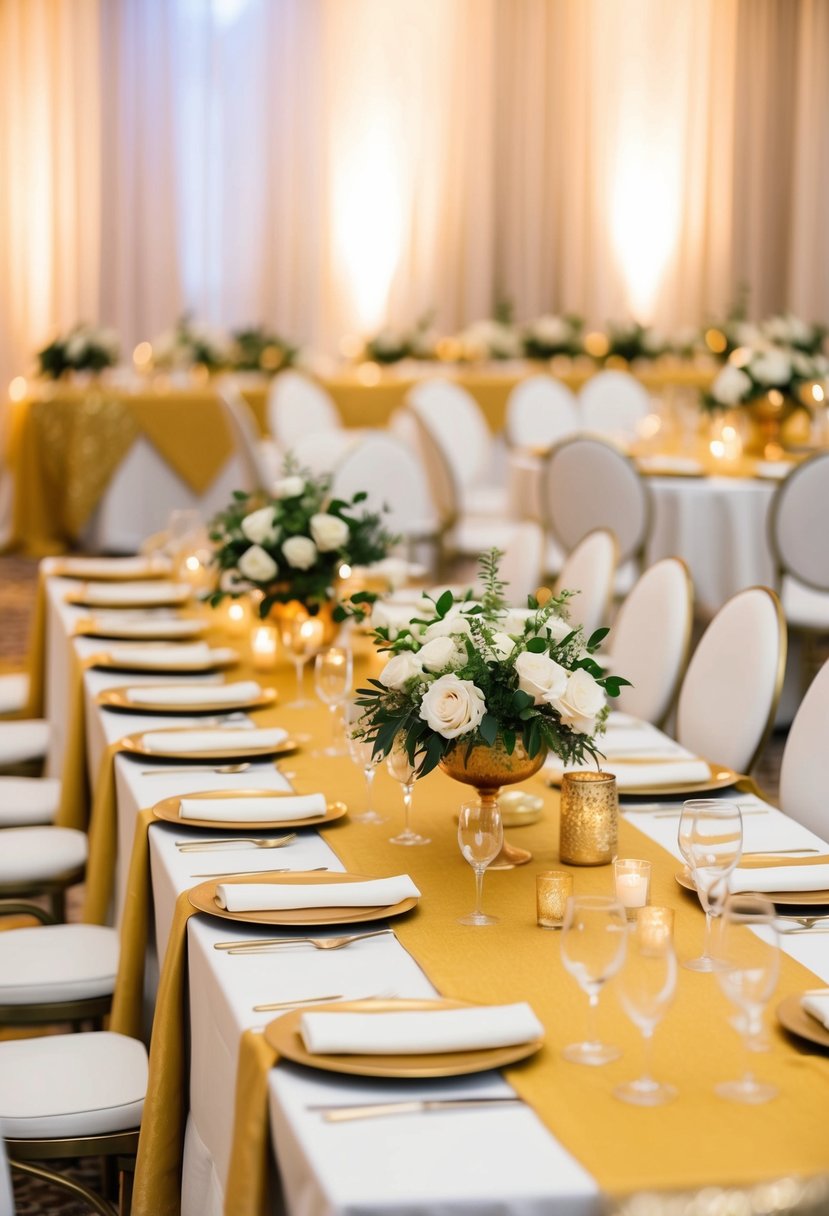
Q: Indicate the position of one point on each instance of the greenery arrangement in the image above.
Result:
(84, 348)
(466, 673)
(753, 371)
(190, 342)
(256, 349)
(291, 546)
(549, 335)
(629, 340)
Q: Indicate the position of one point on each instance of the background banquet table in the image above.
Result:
(507, 1161)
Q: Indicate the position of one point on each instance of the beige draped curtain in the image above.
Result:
(327, 165)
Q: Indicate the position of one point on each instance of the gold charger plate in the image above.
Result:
(808, 899)
(87, 629)
(104, 662)
(168, 810)
(793, 1017)
(64, 570)
(203, 898)
(80, 599)
(135, 745)
(116, 698)
(721, 778)
(283, 1035)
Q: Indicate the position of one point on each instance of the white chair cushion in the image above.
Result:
(21, 741)
(805, 607)
(35, 854)
(14, 691)
(28, 800)
(805, 766)
(71, 1085)
(57, 963)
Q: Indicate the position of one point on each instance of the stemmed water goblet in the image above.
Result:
(402, 769)
(711, 840)
(361, 751)
(748, 954)
(301, 636)
(333, 669)
(593, 942)
(480, 837)
(647, 983)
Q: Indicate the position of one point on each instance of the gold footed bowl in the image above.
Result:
(487, 769)
(768, 415)
(284, 613)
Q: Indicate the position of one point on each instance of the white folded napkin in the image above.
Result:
(633, 775)
(254, 810)
(816, 1003)
(419, 1032)
(196, 654)
(112, 567)
(642, 741)
(135, 593)
(195, 694)
(213, 740)
(770, 879)
(773, 470)
(281, 897)
(147, 627)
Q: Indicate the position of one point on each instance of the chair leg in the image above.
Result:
(99, 1205)
(127, 1179)
(57, 901)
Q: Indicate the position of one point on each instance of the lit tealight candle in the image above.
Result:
(263, 644)
(632, 879)
(552, 890)
(656, 926)
(234, 617)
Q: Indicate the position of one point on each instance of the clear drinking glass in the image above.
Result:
(301, 635)
(480, 836)
(711, 840)
(398, 765)
(749, 955)
(361, 751)
(333, 670)
(593, 942)
(647, 983)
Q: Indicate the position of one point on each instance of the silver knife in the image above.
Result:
(344, 1114)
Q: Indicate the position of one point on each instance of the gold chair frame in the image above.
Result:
(117, 1147)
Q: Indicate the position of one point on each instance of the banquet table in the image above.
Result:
(507, 1160)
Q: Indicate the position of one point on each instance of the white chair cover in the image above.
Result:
(25, 801)
(797, 521)
(454, 418)
(732, 685)
(14, 692)
(523, 562)
(650, 639)
(260, 459)
(322, 451)
(804, 774)
(297, 406)
(57, 963)
(613, 403)
(540, 412)
(588, 484)
(392, 476)
(23, 739)
(589, 570)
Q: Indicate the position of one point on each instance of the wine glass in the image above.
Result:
(748, 951)
(401, 768)
(711, 840)
(647, 983)
(593, 942)
(361, 751)
(333, 668)
(301, 636)
(480, 836)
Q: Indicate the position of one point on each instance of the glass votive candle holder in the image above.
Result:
(589, 815)
(655, 926)
(552, 890)
(632, 880)
(263, 646)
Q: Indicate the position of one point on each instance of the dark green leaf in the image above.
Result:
(444, 603)
(597, 638)
(537, 645)
(488, 729)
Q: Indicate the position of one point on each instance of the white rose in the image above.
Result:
(300, 552)
(329, 531)
(582, 700)
(553, 331)
(257, 565)
(437, 654)
(400, 668)
(452, 707)
(502, 645)
(745, 334)
(771, 367)
(449, 626)
(731, 385)
(76, 347)
(259, 526)
(653, 341)
(541, 678)
(288, 487)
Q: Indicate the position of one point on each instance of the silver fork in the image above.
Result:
(258, 842)
(269, 944)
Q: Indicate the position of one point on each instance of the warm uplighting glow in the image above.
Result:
(192, 563)
(596, 344)
(351, 346)
(369, 373)
(818, 393)
(18, 388)
(644, 221)
(716, 341)
(142, 356)
(345, 570)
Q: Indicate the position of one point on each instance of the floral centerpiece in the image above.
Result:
(630, 340)
(256, 349)
(752, 371)
(548, 336)
(496, 339)
(84, 348)
(292, 545)
(190, 342)
(469, 673)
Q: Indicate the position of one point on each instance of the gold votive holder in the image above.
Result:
(632, 880)
(655, 926)
(589, 818)
(552, 890)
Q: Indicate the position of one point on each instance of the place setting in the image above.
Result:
(139, 594)
(245, 810)
(121, 627)
(190, 699)
(210, 744)
(295, 898)
(806, 1015)
(194, 658)
(112, 569)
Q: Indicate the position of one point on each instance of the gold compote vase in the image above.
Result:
(768, 415)
(487, 768)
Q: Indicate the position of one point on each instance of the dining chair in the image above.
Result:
(321, 451)
(260, 458)
(26, 801)
(650, 639)
(540, 411)
(587, 483)
(50, 974)
(298, 406)
(523, 562)
(23, 740)
(41, 860)
(589, 570)
(796, 521)
(14, 692)
(804, 771)
(73, 1096)
(730, 691)
(613, 403)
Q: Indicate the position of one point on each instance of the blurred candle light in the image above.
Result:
(142, 357)
(263, 643)
(18, 388)
(234, 617)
